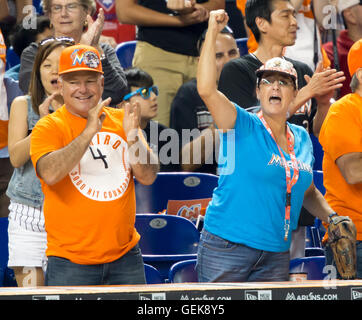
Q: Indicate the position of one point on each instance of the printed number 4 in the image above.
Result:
(100, 156)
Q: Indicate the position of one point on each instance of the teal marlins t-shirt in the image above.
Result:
(248, 206)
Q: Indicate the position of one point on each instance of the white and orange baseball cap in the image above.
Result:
(278, 65)
(80, 57)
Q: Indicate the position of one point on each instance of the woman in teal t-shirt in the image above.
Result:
(265, 178)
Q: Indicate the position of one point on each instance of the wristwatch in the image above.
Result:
(331, 216)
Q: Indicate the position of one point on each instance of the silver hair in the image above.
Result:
(354, 83)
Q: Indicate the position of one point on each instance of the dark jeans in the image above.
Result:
(128, 269)
(219, 260)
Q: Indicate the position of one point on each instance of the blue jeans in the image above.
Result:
(128, 269)
(330, 259)
(219, 260)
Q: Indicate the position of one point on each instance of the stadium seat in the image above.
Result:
(152, 275)
(125, 51)
(318, 181)
(183, 271)
(12, 59)
(7, 277)
(242, 45)
(179, 189)
(314, 237)
(4, 254)
(314, 251)
(313, 266)
(38, 7)
(166, 239)
(317, 152)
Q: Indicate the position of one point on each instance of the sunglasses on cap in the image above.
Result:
(61, 39)
(144, 92)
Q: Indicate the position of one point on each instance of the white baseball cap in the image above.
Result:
(345, 4)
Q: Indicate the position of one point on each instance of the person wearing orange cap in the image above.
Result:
(341, 139)
(263, 183)
(86, 155)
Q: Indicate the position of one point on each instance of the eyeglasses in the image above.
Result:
(281, 83)
(144, 92)
(60, 39)
(69, 7)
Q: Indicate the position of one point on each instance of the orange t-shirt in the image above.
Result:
(252, 44)
(3, 133)
(90, 213)
(341, 133)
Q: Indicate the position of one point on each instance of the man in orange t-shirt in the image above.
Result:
(86, 155)
(341, 138)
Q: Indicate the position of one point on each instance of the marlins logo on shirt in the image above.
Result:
(277, 160)
(103, 173)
